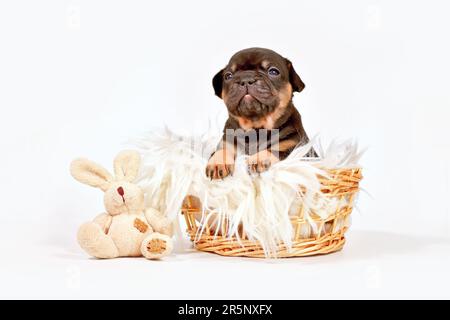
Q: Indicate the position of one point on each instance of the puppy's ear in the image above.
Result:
(217, 83)
(294, 78)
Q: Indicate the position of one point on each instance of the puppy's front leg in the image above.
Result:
(221, 163)
(261, 161)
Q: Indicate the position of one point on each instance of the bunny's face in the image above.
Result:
(123, 197)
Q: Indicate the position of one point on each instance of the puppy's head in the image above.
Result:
(256, 82)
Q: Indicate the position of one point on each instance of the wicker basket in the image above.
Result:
(343, 186)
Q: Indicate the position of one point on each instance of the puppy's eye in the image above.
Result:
(228, 76)
(273, 71)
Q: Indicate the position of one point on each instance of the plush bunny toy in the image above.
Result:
(125, 230)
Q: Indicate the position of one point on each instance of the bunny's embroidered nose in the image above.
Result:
(120, 191)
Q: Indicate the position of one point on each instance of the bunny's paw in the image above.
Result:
(95, 242)
(156, 246)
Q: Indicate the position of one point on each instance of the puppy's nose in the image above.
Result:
(247, 81)
(120, 191)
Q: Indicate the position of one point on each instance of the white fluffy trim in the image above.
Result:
(174, 166)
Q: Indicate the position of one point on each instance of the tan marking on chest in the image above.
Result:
(266, 122)
(285, 145)
(140, 225)
(247, 124)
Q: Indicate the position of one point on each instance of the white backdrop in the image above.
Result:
(79, 78)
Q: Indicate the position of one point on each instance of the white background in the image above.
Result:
(79, 78)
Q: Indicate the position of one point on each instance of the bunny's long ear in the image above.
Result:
(126, 165)
(90, 173)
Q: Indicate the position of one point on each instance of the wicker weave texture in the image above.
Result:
(341, 185)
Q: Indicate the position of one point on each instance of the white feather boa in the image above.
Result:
(173, 166)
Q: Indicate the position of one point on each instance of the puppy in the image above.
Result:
(257, 87)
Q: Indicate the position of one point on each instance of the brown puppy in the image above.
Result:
(257, 87)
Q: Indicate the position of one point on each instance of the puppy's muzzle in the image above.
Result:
(246, 78)
(246, 81)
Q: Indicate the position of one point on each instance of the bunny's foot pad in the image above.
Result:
(156, 246)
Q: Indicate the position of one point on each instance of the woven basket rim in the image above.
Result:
(343, 184)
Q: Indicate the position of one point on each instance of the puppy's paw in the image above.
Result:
(261, 161)
(220, 165)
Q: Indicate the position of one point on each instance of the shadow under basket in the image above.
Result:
(341, 187)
